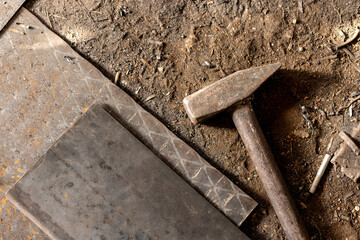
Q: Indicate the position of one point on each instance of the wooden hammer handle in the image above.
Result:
(260, 153)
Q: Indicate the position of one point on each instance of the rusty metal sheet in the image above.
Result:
(100, 182)
(42, 94)
(347, 159)
(8, 10)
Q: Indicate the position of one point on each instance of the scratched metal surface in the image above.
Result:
(102, 183)
(42, 94)
(7, 9)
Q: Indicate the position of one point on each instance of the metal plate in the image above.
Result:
(347, 160)
(99, 182)
(8, 8)
(41, 96)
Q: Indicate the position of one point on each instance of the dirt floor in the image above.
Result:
(165, 50)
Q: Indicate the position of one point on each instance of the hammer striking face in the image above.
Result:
(226, 92)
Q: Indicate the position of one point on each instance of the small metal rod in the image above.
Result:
(322, 168)
(350, 142)
(329, 145)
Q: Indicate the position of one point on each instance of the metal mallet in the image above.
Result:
(232, 93)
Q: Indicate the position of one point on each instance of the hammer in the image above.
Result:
(232, 93)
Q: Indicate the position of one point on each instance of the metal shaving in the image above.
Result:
(150, 97)
(69, 59)
(306, 116)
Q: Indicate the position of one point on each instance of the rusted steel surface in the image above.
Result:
(226, 92)
(98, 181)
(14, 225)
(8, 8)
(269, 173)
(347, 159)
(231, 93)
(42, 95)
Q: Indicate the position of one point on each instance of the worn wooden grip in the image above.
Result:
(260, 153)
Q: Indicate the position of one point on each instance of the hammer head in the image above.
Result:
(226, 92)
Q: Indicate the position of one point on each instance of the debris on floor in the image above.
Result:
(347, 157)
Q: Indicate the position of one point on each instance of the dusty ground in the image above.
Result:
(160, 48)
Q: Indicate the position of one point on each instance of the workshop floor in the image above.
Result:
(160, 48)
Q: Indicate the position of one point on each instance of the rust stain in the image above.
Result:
(17, 161)
(66, 196)
(30, 231)
(18, 176)
(7, 230)
(33, 83)
(37, 142)
(31, 130)
(17, 31)
(4, 166)
(20, 170)
(85, 108)
(2, 203)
